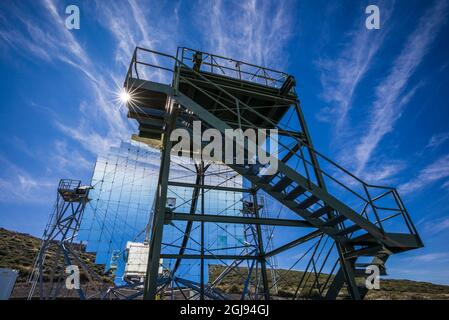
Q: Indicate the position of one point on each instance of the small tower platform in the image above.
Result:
(73, 191)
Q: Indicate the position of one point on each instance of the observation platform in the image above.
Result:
(212, 81)
(72, 190)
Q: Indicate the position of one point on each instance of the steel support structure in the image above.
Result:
(260, 246)
(58, 250)
(227, 94)
(150, 288)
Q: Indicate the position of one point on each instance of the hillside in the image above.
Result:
(391, 289)
(18, 250)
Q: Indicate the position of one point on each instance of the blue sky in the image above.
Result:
(375, 100)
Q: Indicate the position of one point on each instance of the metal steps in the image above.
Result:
(334, 221)
(320, 212)
(295, 193)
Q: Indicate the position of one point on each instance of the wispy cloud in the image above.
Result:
(391, 96)
(254, 31)
(445, 185)
(436, 171)
(438, 139)
(63, 156)
(17, 185)
(435, 226)
(146, 31)
(341, 75)
(21, 145)
(431, 257)
(116, 17)
(384, 172)
(16, 40)
(92, 140)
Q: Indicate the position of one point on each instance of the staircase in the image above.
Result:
(361, 227)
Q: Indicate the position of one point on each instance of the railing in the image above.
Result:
(371, 195)
(208, 63)
(237, 69)
(366, 195)
(69, 184)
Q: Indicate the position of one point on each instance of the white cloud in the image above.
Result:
(437, 170)
(436, 225)
(146, 31)
(431, 257)
(70, 159)
(17, 185)
(445, 185)
(442, 225)
(391, 94)
(21, 145)
(253, 31)
(21, 44)
(438, 139)
(382, 172)
(91, 140)
(341, 75)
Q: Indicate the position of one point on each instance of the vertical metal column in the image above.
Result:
(201, 172)
(261, 251)
(150, 288)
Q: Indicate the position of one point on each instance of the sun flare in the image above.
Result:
(125, 97)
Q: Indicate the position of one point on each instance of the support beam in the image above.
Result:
(209, 256)
(221, 188)
(294, 243)
(261, 251)
(201, 169)
(236, 219)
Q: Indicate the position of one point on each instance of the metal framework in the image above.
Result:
(342, 224)
(57, 249)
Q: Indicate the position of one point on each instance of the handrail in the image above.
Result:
(222, 68)
(235, 60)
(242, 105)
(238, 64)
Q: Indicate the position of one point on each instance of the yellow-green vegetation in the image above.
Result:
(18, 251)
(288, 281)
